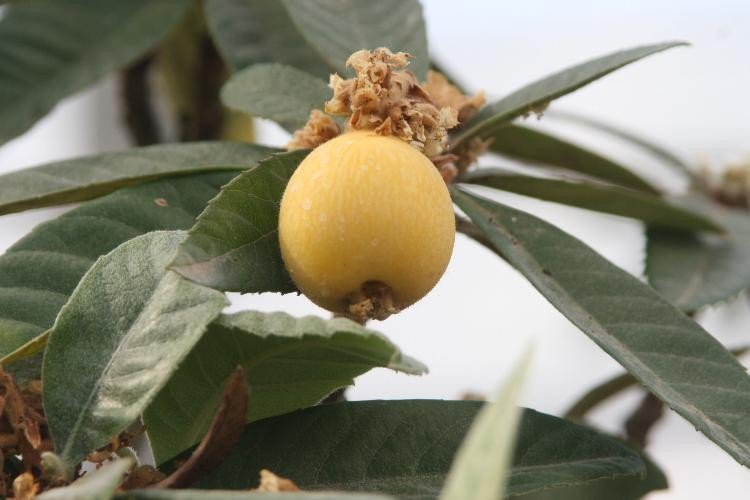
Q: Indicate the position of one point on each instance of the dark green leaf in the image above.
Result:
(693, 271)
(535, 147)
(405, 448)
(234, 245)
(98, 484)
(338, 28)
(625, 135)
(153, 494)
(290, 363)
(89, 177)
(653, 210)
(668, 352)
(50, 49)
(255, 31)
(281, 93)
(540, 93)
(618, 488)
(118, 340)
(39, 272)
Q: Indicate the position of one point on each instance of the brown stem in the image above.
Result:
(465, 226)
(643, 419)
(136, 95)
(207, 119)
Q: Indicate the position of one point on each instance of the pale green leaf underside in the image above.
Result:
(118, 340)
(405, 448)
(539, 148)
(260, 31)
(693, 271)
(89, 177)
(280, 93)
(338, 28)
(290, 363)
(668, 352)
(50, 49)
(541, 92)
(39, 272)
(98, 484)
(234, 245)
(480, 467)
(653, 210)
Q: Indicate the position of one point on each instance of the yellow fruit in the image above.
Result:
(366, 218)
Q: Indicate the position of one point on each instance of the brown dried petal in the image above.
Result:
(270, 482)
(444, 94)
(319, 128)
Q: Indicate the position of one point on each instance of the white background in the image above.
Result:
(473, 326)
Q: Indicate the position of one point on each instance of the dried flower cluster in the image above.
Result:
(386, 98)
(390, 101)
(732, 187)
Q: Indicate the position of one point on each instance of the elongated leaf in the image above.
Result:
(668, 352)
(693, 271)
(255, 31)
(89, 177)
(39, 272)
(480, 467)
(647, 145)
(541, 92)
(281, 93)
(98, 484)
(338, 28)
(118, 340)
(234, 245)
(405, 448)
(535, 147)
(290, 363)
(618, 488)
(653, 210)
(153, 494)
(50, 49)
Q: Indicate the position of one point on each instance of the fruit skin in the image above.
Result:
(366, 208)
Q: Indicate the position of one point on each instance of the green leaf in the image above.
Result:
(254, 31)
(98, 484)
(89, 177)
(481, 464)
(234, 245)
(153, 494)
(280, 93)
(668, 352)
(405, 448)
(50, 49)
(540, 93)
(118, 340)
(618, 488)
(39, 272)
(693, 271)
(653, 210)
(338, 28)
(289, 363)
(535, 147)
(656, 150)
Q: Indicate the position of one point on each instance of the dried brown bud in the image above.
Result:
(389, 100)
(270, 482)
(319, 128)
(471, 151)
(444, 94)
